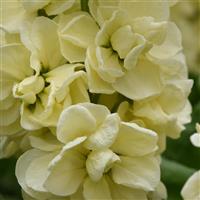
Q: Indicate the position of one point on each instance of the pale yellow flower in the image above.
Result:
(195, 138)
(133, 67)
(102, 10)
(7, 147)
(52, 7)
(15, 13)
(19, 143)
(191, 189)
(159, 194)
(166, 113)
(76, 32)
(37, 79)
(98, 157)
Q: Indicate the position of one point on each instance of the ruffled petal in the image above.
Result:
(74, 37)
(134, 173)
(22, 165)
(95, 82)
(158, 10)
(105, 135)
(33, 6)
(140, 82)
(100, 161)
(191, 188)
(57, 7)
(195, 139)
(96, 190)
(15, 62)
(134, 140)
(67, 170)
(171, 45)
(68, 129)
(44, 141)
(125, 193)
(37, 172)
(48, 54)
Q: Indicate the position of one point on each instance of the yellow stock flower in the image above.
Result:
(37, 83)
(192, 187)
(98, 157)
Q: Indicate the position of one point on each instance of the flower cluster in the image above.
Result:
(191, 188)
(88, 96)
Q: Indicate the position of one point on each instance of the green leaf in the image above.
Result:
(174, 175)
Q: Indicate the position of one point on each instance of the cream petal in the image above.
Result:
(68, 129)
(7, 147)
(6, 89)
(63, 75)
(134, 173)
(117, 20)
(159, 193)
(100, 161)
(195, 139)
(158, 10)
(78, 90)
(99, 112)
(125, 193)
(37, 172)
(16, 68)
(57, 7)
(11, 129)
(21, 167)
(96, 190)
(71, 52)
(67, 172)
(191, 188)
(74, 37)
(157, 119)
(45, 141)
(25, 196)
(178, 93)
(76, 32)
(13, 15)
(109, 66)
(132, 57)
(119, 44)
(154, 32)
(7, 102)
(9, 116)
(95, 82)
(49, 55)
(141, 82)
(171, 45)
(198, 127)
(33, 6)
(102, 10)
(134, 140)
(105, 135)
(27, 120)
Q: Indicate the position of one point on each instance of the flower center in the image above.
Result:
(100, 162)
(28, 89)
